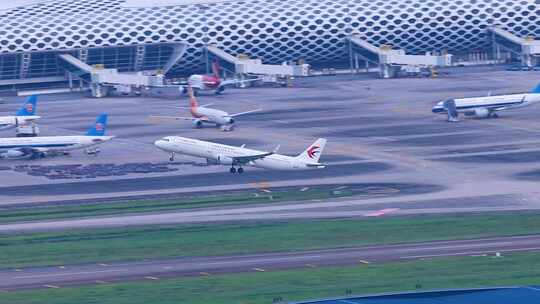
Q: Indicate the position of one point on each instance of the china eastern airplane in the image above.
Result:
(219, 154)
(203, 114)
(485, 107)
(212, 82)
(25, 115)
(38, 147)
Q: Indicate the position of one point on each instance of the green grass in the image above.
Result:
(301, 284)
(112, 208)
(158, 242)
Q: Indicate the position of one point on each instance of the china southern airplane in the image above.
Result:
(24, 116)
(219, 154)
(38, 147)
(485, 107)
(203, 114)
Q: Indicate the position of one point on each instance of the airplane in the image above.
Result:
(210, 82)
(485, 107)
(39, 147)
(203, 114)
(219, 154)
(24, 116)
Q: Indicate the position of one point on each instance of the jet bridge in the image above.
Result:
(101, 79)
(391, 61)
(243, 67)
(526, 49)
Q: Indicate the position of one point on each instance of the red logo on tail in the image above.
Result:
(29, 107)
(312, 151)
(99, 127)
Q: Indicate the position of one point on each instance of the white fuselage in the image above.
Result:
(223, 154)
(8, 122)
(492, 103)
(51, 143)
(217, 117)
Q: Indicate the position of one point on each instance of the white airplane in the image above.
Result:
(203, 114)
(485, 107)
(38, 147)
(219, 154)
(210, 82)
(24, 116)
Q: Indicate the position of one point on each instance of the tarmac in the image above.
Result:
(56, 277)
(379, 131)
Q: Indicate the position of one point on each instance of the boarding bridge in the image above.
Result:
(243, 66)
(101, 80)
(527, 49)
(391, 61)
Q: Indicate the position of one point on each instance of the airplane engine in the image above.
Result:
(230, 120)
(20, 153)
(211, 161)
(482, 113)
(223, 160)
(197, 123)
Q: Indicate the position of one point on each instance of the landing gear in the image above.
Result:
(494, 115)
(172, 157)
(226, 128)
(234, 170)
(94, 152)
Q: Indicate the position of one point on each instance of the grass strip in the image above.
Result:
(301, 284)
(160, 242)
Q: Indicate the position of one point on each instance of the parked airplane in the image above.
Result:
(485, 107)
(38, 147)
(212, 82)
(203, 114)
(219, 154)
(24, 116)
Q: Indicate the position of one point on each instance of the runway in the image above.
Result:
(60, 276)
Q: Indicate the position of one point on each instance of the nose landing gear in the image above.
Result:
(171, 158)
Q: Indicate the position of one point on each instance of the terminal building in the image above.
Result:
(170, 35)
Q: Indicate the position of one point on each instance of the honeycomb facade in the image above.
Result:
(273, 30)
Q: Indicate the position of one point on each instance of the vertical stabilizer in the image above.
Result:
(536, 89)
(99, 127)
(313, 152)
(192, 100)
(29, 107)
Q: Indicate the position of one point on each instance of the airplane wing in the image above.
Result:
(158, 119)
(248, 158)
(243, 113)
(228, 82)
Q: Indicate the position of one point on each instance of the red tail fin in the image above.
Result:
(215, 68)
(192, 100)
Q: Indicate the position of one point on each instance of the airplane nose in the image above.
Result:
(160, 143)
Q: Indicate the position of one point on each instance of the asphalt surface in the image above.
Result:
(56, 277)
(379, 132)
